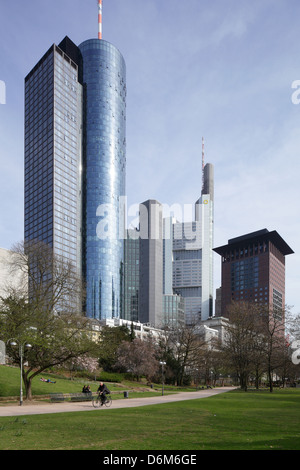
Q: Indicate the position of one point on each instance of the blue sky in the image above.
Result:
(221, 69)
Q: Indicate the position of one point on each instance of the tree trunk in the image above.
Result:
(27, 384)
(270, 379)
(257, 376)
(243, 381)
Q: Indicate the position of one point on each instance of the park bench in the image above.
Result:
(81, 396)
(59, 397)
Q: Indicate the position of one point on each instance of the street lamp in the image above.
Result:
(13, 342)
(162, 375)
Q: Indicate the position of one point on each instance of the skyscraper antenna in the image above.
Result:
(202, 163)
(99, 19)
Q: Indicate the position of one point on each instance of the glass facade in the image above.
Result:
(193, 261)
(244, 274)
(104, 78)
(132, 275)
(75, 158)
(68, 95)
(39, 85)
(53, 120)
(173, 310)
(187, 267)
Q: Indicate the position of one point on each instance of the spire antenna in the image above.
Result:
(99, 19)
(202, 163)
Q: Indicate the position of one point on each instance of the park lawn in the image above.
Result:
(10, 386)
(233, 420)
(10, 383)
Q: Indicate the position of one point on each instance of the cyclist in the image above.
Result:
(103, 391)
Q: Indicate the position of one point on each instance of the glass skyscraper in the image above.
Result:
(193, 255)
(104, 76)
(132, 275)
(75, 162)
(53, 154)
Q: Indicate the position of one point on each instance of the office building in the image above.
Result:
(173, 310)
(168, 223)
(132, 276)
(173, 304)
(104, 78)
(151, 263)
(13, 278)
(253, 270)
(75, 164)
(53, 157)
(193, 255)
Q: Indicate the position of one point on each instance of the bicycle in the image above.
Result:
(97, 402)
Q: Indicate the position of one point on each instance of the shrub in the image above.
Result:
(110, 377)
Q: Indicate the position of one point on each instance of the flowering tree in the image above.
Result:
(138, 357)
(84, 362)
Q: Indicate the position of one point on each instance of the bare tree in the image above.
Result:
(50, 282)
(255, 340)
(241, 339)
(209, 363)
(42, 312)
(258, 358)
(272, 327)
(181, 347)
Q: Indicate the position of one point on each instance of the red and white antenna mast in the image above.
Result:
(99, 19)
(202, 163)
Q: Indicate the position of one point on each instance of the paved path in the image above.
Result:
(45, 408)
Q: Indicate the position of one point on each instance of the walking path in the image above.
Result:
(45, 408)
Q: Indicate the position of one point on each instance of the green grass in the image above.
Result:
(10, 385)
(233, 420)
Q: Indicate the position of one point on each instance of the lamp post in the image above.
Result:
(13, 342)
(162, 363)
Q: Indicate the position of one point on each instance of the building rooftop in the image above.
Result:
(260, 235)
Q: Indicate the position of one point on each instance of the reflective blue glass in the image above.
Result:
(104, 78)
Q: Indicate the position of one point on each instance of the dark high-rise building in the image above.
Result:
(253, 270)
(75, 163)
(53, 154)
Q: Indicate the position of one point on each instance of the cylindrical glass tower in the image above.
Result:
(104, 79)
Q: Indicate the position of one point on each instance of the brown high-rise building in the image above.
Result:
(253, 269)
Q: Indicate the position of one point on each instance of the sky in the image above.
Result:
(224, 70)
